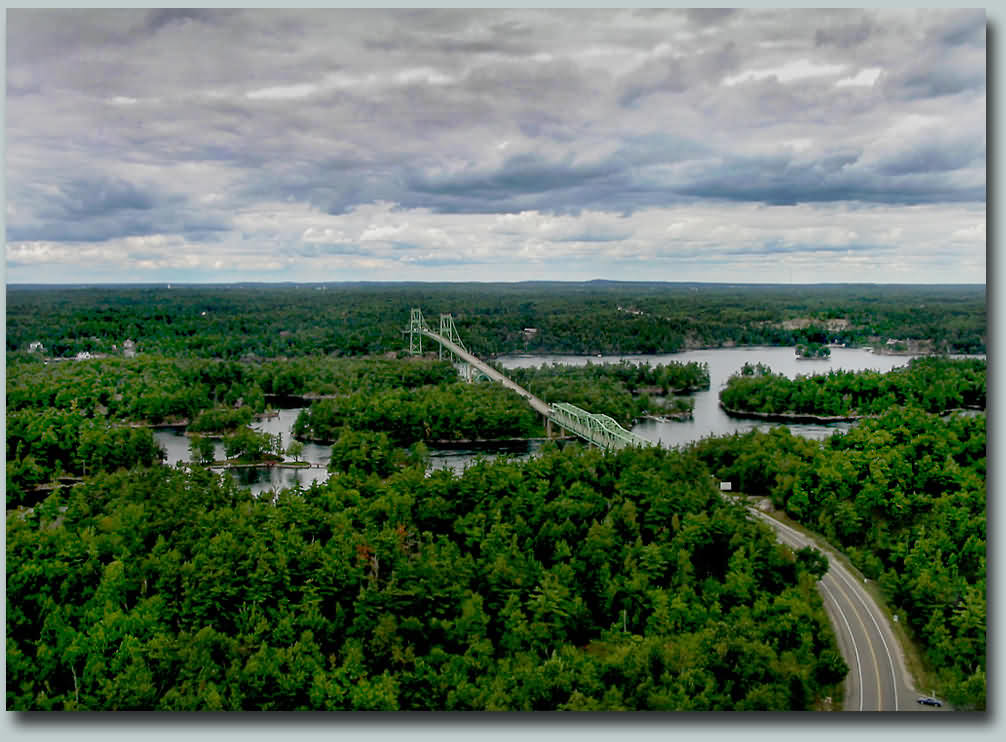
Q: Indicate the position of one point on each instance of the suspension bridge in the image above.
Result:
(599, 430)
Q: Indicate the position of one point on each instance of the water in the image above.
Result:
(262, 478)
(709, 418)
(456, 459)
(270, 478)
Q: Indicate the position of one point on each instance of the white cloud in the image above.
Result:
(283, 92)
(864, 78)
(974, 233)
(425, 75)
(789, 72)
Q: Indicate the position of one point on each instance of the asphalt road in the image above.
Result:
(878, 679)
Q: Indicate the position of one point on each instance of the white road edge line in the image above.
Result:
(890, 661)
(855, 590)
(852, 638)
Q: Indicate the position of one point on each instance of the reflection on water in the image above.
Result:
(456, 459)
(176, 445)
(265, 478)
(709, 418)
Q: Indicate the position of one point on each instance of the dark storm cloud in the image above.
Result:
(965, 27)
(911, 178)
(453, 33)
(678, 74)
(528, 182)
(83, 198)
(95, 209)
(934, 157)
(708, 16)
(926, 80)
(845, 35)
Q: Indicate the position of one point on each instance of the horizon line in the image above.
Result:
(170, 284)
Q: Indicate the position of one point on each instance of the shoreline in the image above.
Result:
(789, 417)
(798, 417)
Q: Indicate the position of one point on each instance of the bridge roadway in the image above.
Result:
(539, 406)
(600, 430)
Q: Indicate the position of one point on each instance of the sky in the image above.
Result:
(473, 145)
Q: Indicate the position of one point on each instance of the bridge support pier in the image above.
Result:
(548, 426)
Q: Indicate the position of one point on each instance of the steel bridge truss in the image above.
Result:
(600, 430)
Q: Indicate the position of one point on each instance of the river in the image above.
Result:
(709, 418)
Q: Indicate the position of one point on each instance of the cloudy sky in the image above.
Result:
(756, 145)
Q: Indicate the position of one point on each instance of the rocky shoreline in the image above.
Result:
(789, 417)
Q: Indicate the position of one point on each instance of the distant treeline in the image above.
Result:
(598, 317)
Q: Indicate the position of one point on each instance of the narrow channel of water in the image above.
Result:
(709, 418)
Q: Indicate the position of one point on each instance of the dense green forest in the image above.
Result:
(456, 411)
(69, 418)
(576, 580)
(243, 321)
(155, 389)
(933, 384)
(635, 378)
(624, 391)
(903, 495)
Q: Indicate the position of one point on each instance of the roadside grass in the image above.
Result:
(921, 672)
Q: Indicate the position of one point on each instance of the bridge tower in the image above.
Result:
(449, 331)
(416, 326)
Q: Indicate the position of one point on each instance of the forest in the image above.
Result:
(284, 321)
(903, 495)
(933, 384)
(576, 580)
(67, 418)
(456, 411)
(624, 391)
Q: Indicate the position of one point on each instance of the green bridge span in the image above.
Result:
(599, 430)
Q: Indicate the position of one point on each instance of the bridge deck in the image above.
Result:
(537, 404)
(600, 430)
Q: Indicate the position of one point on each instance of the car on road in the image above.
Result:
(929, 701)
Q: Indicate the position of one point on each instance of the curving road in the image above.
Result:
(878, 679)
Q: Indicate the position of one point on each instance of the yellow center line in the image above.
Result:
(856, 590)
(852, 638)
(799, 540)
(869, 642)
